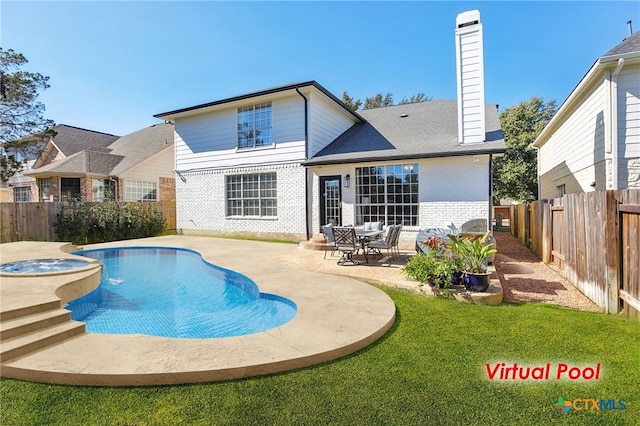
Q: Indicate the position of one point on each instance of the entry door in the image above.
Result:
(330, 200)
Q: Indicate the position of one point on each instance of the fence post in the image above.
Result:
(547, 231)
(612, 252)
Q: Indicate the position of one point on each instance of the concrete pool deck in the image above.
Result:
(336, 316)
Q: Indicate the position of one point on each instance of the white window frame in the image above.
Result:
(140, 190)
(44, 187)
(381, 201)
(258, 121)
(22, 194)
(252, 195)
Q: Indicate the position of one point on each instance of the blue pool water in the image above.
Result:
(42, 265)
(171, 292)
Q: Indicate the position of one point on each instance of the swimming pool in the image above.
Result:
(173, 292)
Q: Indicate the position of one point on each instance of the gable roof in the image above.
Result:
(170, 115)
(409, 131)
(624, 53)
(71, 140)
(115, 158)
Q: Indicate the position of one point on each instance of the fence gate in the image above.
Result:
(630, 253)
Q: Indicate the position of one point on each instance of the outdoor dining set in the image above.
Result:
(370, 238)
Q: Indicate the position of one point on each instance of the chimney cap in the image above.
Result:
(467, 18)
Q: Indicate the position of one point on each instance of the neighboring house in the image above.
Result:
(284, 161)
(593, 141)
(82, 164)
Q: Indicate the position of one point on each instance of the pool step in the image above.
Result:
(28, 310)
(39, 338)
(27, 323)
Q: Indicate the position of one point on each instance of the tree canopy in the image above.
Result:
(515, 174)
(380, 101)
(21, 114)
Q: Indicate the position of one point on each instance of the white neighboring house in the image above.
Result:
(284, 161)
(593, 141)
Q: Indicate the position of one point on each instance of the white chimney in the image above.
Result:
(470, 78)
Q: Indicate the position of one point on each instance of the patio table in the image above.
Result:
(365, 236)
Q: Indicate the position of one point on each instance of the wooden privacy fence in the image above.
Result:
(593, 239)
(35, 221)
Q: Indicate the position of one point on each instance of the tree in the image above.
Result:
(378, 101)
(20, 112)
(353, 104)
(515, 174)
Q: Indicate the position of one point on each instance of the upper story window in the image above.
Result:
(561, 190)
(254, 126)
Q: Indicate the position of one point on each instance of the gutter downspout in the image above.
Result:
(490, 222)
(614, 123)
(306, 157)
(115, 185)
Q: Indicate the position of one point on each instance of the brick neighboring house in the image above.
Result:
(593, 141)
(81, 164)
(282, 162)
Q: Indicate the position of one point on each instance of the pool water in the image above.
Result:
(171, 292)
(38, 266)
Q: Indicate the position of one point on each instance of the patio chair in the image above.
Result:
(347, 243)
(376, 246)
(396, 240)
(329, 239)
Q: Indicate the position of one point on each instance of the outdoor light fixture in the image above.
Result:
(347, 178)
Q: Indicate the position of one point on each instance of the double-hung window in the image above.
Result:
(254, 126)
(22, 194)
(388, 194)
(253, 194)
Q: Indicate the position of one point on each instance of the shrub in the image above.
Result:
(429, 268)
(87, 223)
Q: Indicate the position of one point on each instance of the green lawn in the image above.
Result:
(428, 369)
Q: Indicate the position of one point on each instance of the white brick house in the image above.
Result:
(283, 161)
(593, 141)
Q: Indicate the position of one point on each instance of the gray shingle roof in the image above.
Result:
(429, 129)
(138, 146)
(82, 163)
(630, 44)
(113, 159)
(71, 140)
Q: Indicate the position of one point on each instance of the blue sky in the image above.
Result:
(113, 65)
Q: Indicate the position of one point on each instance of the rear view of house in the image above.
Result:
(282, 162)
(593, 141)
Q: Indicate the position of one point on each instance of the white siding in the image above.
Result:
(578, 143)
(210, 140)
(629, 112)
(327, 121)
(470, 82)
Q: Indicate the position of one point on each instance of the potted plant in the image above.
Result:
(474, 254)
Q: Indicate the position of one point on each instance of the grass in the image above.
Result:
(428, 369)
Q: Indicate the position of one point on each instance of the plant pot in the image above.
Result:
(476, 281)
(457, 278)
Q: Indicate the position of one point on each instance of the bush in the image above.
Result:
(88, 223)
(429, 268)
